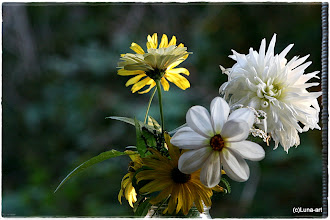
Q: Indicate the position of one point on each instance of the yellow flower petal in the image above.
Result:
(181, 45)
(120, 195)
(165, 84)
(172, 42)
(137, 48)
(125, 183)
(164, 41)
(178, 80)
(186, 195)
(218, 188)
(172, 150)
(139, 85)
(172, 204)
(130, 194)
(152, 85)
(180, 198)
(155, 186)
(155, 40)
(123, 72)
(152, 41)
(134, 79)
(178, 71)
(199, 205)
(161, 196)
(175, 64)
(202, 191)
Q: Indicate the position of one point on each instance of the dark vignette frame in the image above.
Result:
(325, 116)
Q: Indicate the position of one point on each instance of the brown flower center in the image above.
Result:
(179, 177)
(217, 143)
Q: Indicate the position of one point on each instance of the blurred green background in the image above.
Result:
(60, 82)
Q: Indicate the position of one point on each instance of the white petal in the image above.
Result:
(192, 160)
(186, 138)
(198, 118)
(248, 150)
(235, 130)
(211, 171)
(285, 51)
(219, 113)
(262, 52)
(270, 50)
(234, 166)
(244, 114)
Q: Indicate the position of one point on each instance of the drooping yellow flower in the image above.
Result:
(127, 188)
(155, 64)
(183, 190)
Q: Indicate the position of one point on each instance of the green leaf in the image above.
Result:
(131, 121)
(149, 138)
(152, 121)
(94, 160)
(143, 208)
(140, 144)
(137, 203)
(226, 183)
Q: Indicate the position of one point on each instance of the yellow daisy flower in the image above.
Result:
(157, 64)
(183, 190)
(127, 188)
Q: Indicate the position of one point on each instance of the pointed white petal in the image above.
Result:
(219, 113)
(186, 138)
(285, 52)
(211, 171)
(235, 130)
(248, 150)
(234, 166)
(293, 63)
(262, 52)
(244, 114)
(193, 160)
(270, 50)
(199, 119)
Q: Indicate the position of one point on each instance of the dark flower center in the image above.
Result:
(217, 143)
(155, 74)
(179, 177)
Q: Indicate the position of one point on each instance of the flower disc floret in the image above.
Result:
(179, 177)
(217, 143)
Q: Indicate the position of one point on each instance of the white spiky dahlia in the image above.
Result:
(266, 81)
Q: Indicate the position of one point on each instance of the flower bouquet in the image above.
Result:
(176, 173)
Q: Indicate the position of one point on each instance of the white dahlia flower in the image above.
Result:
(267, 82)
(217, 142)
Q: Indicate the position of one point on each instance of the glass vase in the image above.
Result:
(157, 212)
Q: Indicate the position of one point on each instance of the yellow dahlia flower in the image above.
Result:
(155, 64)
(183, 190)
(127, 188)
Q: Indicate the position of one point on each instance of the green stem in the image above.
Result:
(150, 100)
(160, 105)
